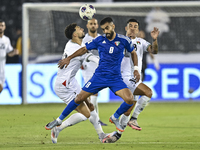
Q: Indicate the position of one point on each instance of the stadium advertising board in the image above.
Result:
(173, 82)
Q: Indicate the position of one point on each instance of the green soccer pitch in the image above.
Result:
(165, 126)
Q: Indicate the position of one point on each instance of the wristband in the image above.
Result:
(136, 68)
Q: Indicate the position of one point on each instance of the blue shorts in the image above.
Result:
(96, 84)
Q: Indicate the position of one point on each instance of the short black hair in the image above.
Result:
(1, 20)
(69, 30)
(105, 20)
(132, 20)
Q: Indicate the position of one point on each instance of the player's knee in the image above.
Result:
(78, 99)
(129, 99)
(149, 93)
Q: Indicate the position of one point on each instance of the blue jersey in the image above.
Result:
(111, 54)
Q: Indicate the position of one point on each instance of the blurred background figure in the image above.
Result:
(5, 49)
(141, 34)
(157, 18)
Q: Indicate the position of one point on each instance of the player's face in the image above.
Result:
(80, 32)
(108, 29)
(132, 29)
(2, 27)
(92, 25)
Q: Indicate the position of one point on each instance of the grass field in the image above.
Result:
(168, 126)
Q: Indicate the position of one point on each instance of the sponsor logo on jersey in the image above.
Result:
(2, 46)
(117, 43)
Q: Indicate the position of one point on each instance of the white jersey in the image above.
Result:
(5, 47)
(89, 67)
(127, 66)
(141, 45)
(66, 86)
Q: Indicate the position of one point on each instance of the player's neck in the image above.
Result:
(92, 34)
(78, 41)
(1, 35)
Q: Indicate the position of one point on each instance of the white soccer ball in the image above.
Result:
(87, 12)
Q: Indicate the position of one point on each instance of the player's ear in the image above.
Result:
(125, 28)
(113, 26)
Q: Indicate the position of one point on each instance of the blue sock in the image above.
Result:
(122, 109)
(70, 107)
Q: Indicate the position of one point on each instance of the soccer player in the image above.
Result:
(67, 87)
(88, 67)
(108, 74)
(5, 48)
(137, 88)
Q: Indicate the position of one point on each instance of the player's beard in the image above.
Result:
(110, 35)
(82, 36)
(93, 30)
(1, 31)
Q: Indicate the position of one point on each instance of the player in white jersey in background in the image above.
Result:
(67, 87)
(5, 48)
(138, 88)
(89, 67)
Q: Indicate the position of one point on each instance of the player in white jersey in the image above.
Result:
(127, 69)
(5, 48)
(89, 67)
(67, 87)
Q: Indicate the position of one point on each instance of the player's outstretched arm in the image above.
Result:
(65, 62)
(154, 48)
(135, 62)
(13, 53)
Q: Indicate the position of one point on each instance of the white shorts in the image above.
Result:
(130, 83)
(69, 92)
(88, 70)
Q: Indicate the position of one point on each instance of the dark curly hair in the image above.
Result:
(69, 30)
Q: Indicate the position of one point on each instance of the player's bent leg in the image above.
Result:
(82, 96)
(83, 109)
(127, 96)
(146, 93)
(1, 88)
(143, 89)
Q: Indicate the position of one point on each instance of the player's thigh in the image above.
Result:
(82, 96)
(1, 88)
(126, 95)
(143, 89)
(83, 109)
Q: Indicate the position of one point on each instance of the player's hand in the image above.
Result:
(16, 52)
(136, 75)
(63, 62)
(155, 33)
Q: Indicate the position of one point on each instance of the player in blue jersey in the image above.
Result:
(108, 74)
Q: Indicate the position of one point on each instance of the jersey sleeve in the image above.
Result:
(92, 44)
(145, 45)
(129, 45)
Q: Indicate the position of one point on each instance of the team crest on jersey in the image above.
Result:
(138, 42)
(117, 43)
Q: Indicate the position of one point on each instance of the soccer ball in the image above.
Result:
(87, 12)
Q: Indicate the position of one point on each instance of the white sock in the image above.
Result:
(94, 119)
(124, 120)
(93, 99)
(72, 120)
(140, 105)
